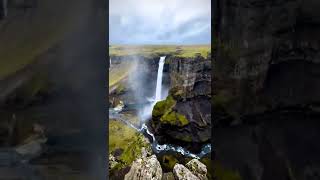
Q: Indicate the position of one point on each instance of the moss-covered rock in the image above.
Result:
(176, 92)
(128, 140)
(163, 107)
(164, 110)
(174, 118)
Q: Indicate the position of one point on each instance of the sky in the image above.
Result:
(160, 21)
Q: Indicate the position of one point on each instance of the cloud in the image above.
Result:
(159, 21)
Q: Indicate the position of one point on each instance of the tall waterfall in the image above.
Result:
(159, 79)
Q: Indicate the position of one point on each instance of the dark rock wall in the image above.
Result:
(269, 52)
(190, 90)
(266, 89)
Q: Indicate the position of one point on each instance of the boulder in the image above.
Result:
(197, 168)
(182, 173)
(168, 176)
(112, 161)
(145, 169)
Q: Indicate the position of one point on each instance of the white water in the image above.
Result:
(146, 112)
(160, 147)
(110, 62)
(159, 79)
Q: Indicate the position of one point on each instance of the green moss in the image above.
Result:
(131, 142)
(164, 110)
(164, 106)
(221, 173)
(187, 138)
(174, 118)
(168, 161)
(176, 92)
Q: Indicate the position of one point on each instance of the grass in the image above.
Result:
(149, 50)
(116, 74)
(127, 139)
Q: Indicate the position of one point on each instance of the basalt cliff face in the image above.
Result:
(266, 89)
(267, 56)
(185, 115)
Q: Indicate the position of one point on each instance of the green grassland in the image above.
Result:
(116, 74)
(150, 50)
(127, 139)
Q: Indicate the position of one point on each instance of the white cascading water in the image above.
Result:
(110, 62)
(159, 79)
(146, 111)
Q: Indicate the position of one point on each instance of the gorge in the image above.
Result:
(162, 71)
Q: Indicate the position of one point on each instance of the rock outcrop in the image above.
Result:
(182, 173)
(145, 169)
(265, 89)
(185, 115)
(168, 176)
(197, 168)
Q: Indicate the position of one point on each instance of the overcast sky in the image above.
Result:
(160, 21)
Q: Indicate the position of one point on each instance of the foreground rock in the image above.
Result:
(182, 173)
(168, 176)
(145, 169)
(197, 168)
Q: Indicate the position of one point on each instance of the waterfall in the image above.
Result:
(110, 62)
(159, 79)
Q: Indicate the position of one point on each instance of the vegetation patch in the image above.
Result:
(168, 161)
(174, 118)
(119, 72)
(151, 50)
(163, 106)
(128, 140)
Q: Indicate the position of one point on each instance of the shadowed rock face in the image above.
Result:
(266, 84)
(268, 54)
(185, 116)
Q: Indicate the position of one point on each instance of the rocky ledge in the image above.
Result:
(149, 168)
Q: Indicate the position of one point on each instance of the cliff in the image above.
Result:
(266, 84)
(185, 116)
